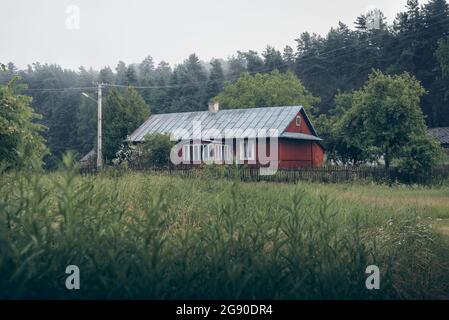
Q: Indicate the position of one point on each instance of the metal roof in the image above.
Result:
(299, 136)
(89, 156)
(441, 134)
(245, 123)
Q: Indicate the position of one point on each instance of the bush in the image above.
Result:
(155, 150)
(418, 158)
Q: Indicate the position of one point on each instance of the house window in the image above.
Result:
(208, 152)
(221, 152)
(247, 150)
(298, 120)
(225, 152)
(186, 153)
(197, 152)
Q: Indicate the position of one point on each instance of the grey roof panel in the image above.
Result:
(246, 120)
(441, 134)
(299, 136)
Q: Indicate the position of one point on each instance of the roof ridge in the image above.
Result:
(240, 109)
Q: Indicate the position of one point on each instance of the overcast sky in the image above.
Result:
(112, 30)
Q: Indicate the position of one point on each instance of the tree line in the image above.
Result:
(331, 69)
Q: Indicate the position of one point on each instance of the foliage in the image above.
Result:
(339, 131)
(442, 54)
(155, 150)
(382, 120)
(146, 236)
(188, 81)
(87, 125)
(21, 143)
(127, 154)
(417, 158)
(216, 79)
(389, 108)
(124, 111)
(266, 90)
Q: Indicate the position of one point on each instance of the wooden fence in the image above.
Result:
(325, 174)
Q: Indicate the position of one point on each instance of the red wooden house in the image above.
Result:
(225, 136)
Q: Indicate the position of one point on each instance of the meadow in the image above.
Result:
(146, 236)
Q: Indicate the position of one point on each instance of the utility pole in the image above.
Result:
(99, 133)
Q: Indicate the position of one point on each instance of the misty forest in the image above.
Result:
(328, 66)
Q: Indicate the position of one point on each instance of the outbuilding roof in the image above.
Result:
(89, 156)
(244, 122)
(441, 134)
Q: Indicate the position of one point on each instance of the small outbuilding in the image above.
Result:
(88, 161)
(442, 136)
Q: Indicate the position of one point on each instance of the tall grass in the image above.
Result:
(142, 236)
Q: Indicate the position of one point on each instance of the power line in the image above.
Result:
(59, 89)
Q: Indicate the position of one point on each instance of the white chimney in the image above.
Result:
(214, 106)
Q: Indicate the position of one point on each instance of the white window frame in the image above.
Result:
(208, 152)
(225, 152)
(197, 152)
(186, 153)
(298, 120)
(248, 150)
(218, 153)
(221, 152)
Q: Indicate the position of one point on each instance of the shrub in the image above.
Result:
(155, 150)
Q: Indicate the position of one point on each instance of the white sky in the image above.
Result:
(113, 30)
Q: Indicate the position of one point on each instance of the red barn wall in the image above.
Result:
(294, 154)
(300, 154)
(297, 153)
(303, 128)
(318, 155)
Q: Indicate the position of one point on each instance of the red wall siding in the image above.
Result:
(303, 128)
(318, 155)
(299, 154)
(294, 154)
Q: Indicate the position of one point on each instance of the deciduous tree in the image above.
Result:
(124, 111)
(266, 90)
(21, 143)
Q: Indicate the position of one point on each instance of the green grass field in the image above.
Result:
(136, 235)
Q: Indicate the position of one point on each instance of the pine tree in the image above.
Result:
(289, 58)
(189, 90)
(273, 60)
(160, 100)
(146, 71)
(254, 62)
(236, 66)
(121, 70)
(216, 79)
(361, 24)
(106, 75)
(131, 76)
